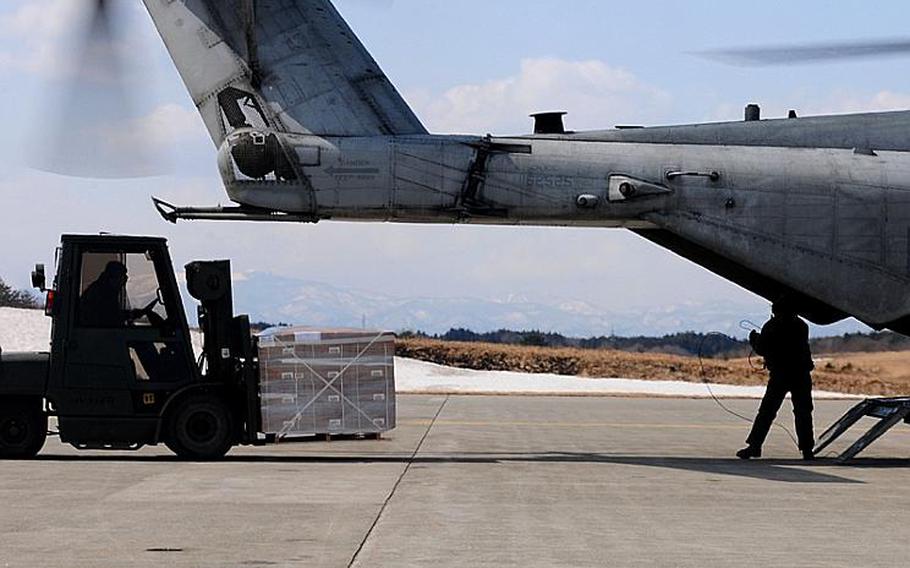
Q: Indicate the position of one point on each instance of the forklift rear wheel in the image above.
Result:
(23, 429)
(200, 428)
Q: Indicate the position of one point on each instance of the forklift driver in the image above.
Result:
(100, 304)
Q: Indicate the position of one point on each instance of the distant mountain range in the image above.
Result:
(276, 299)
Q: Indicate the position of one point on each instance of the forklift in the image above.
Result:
(121, 371)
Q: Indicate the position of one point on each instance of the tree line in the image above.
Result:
(713, 345)
(12, 298)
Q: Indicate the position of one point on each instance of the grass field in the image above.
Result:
(880, 374)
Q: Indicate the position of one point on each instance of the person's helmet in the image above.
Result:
(783, 306)
(115, 270)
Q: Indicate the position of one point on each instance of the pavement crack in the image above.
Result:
(404, 472)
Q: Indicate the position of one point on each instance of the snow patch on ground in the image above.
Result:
(413, 376)
(24, 330)
(30, 330)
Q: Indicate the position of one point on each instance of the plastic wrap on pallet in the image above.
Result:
(327, 381)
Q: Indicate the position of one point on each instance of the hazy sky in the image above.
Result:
(468, 66)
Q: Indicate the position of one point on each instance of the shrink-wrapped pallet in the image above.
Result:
(327, 381)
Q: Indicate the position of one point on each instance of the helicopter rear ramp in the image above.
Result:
(888, 411)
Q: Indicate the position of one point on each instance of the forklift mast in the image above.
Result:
(210, 283)
(229, 349)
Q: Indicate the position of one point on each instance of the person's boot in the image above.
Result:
(808, 455)
(748, 453)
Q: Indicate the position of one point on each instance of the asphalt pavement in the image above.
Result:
(474, 481)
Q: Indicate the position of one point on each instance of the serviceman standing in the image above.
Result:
(784, 344)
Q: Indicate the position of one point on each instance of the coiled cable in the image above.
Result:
(704, 378)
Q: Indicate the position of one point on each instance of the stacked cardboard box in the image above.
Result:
(338, 381)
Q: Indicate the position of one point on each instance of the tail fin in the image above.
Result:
(290, 65)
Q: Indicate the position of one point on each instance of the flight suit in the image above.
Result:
(784, 344)
(100, 304)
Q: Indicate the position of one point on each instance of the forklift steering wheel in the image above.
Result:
(154, 318)
(151, 305)
(146, 312)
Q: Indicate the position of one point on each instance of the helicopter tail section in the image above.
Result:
(290, 66)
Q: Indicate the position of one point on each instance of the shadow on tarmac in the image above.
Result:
(788, 471)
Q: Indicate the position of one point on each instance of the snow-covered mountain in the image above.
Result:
(277, 299)
(271, 298)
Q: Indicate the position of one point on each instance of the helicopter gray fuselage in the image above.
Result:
(309, 128)
(835, 220)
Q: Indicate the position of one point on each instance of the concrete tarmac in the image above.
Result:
(474, 481)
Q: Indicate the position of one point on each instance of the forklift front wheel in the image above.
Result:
(23, 428)
(200, 428)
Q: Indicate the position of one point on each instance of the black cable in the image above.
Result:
(704, 378)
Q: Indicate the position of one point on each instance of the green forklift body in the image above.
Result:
(121, 372)
(23, 374)
(120, 339)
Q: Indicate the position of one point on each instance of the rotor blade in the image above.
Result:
(94, 131)
(810, 53)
